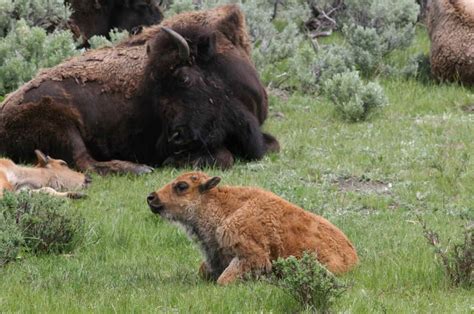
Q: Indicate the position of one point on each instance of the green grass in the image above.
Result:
(421, 143)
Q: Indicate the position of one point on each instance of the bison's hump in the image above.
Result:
(227, 19)
(117, 69)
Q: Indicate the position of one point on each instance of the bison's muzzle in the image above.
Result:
(154, 202)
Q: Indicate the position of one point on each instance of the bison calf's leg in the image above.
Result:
(53, 192)
(205, 272)
(241, 267)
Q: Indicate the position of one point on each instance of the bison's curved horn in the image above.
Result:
(184, 51)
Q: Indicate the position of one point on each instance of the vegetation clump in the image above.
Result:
(458, 259)
(47, 14)
(353, 100)
(308, 281)
(36, 223)
(25, 50)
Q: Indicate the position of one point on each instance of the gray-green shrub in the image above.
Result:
(312, 69)
(373, 29)
(25, 50)
(115, 36)
(353, 100)
(44, 222)
(10, 239)
(47, 14)
(394, 21)
(308, 281)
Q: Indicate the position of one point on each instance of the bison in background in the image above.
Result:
(99, 17)
(186, 93)
(451, 30)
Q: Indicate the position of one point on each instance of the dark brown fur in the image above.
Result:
(111, 107)
(451, 30)
(99, 17)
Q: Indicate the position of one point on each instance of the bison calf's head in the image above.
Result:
(181, 198)
(61, 177)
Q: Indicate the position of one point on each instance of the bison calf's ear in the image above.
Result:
(42, 158)
(209, 184)
(207, 47)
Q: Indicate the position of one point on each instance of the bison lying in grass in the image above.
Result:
(50, 176)
(182, 93)
(243, 229)
(451, 30)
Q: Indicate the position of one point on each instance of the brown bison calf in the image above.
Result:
(49, 176)
(243, 229)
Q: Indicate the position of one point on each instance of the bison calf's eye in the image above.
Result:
(181, 187)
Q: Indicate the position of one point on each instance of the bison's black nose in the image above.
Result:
(151, 197)
(154, 202)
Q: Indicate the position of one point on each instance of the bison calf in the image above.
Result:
(243, 229)
(49, 176)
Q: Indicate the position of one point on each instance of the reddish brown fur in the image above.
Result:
(244, 229)
(48, 176)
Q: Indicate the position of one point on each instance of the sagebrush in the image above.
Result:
(47, 14)
(26, 50)
(37, 223)
(308, 281)
(353, 99)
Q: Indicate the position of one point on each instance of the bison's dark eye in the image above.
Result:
(184, 80)
(181, 187)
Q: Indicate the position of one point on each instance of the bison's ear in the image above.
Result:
(207, 47)
(209, 184)
(43, 160)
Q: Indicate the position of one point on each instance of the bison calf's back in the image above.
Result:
(243, 229)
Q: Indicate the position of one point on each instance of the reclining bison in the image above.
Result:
(182, 93)
(98, 17)
(451, 30)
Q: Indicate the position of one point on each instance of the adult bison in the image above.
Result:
(451, 30)
(98, 17)
(182, 93)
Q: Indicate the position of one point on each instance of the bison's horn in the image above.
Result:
(182, 44)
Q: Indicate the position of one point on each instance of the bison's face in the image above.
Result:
(190, 96)
(180, 199)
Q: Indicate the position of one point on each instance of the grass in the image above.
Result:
(421, 144)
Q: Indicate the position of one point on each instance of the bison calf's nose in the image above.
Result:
(154, 202)
(151, 197)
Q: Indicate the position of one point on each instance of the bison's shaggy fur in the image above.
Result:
(451, 30)
(98, 17)
(243, 229)
(140, 102)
